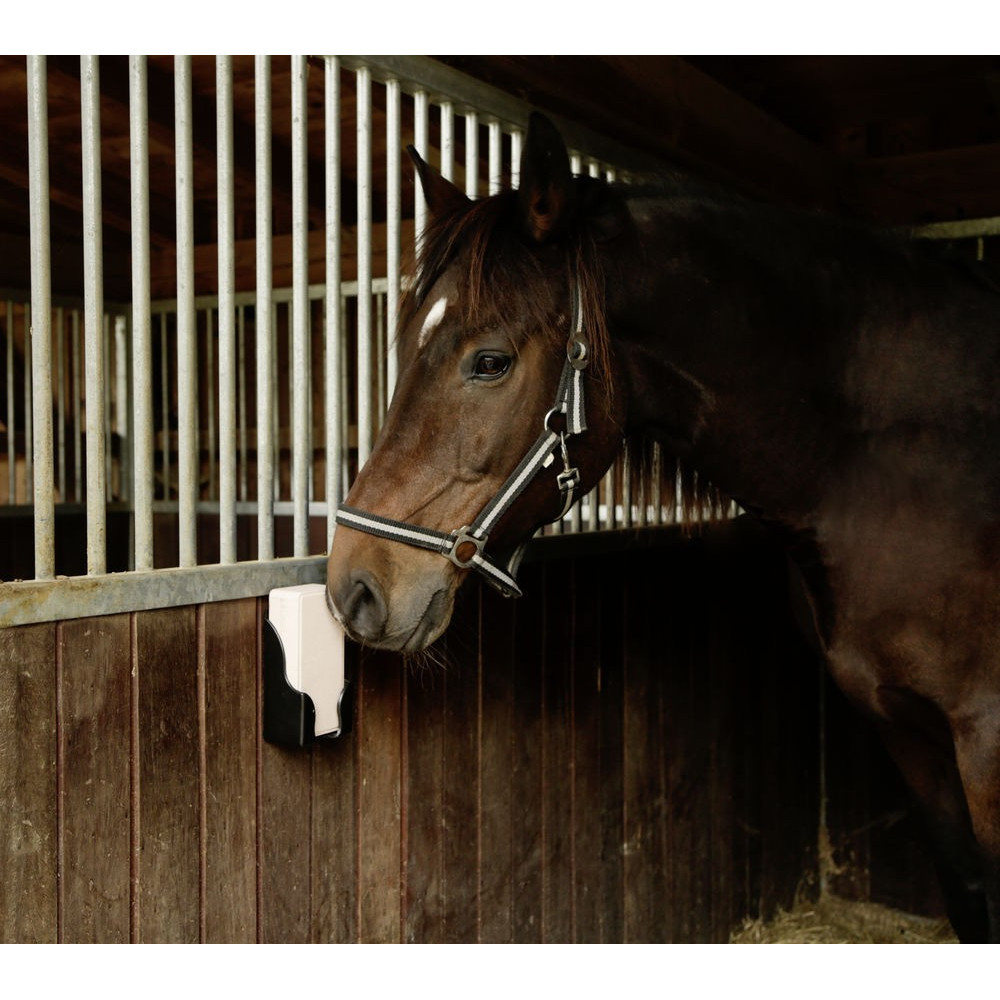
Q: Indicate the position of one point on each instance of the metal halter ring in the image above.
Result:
(460, 538)
(577, 353)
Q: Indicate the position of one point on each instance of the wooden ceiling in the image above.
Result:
(894, 139)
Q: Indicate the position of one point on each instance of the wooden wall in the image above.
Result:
(629, 753)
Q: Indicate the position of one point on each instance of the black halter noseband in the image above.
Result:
(465, 546)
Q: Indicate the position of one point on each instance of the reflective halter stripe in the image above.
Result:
(569, 404)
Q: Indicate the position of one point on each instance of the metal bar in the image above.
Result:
(77, 406)
(60, 341)
(300, 400)
(77, 597)
(90, 111)
(241, 389)
(495, 157)
(364, 164)
(264, 327)
(472, 154)
(448, 140)
(41, 314)
(516, 144)
(11, 413)
(29, 449)
(142, 352)
(227, 307)
(187, 400)
(122, 406)
(393, 207)
(165, 403)
(334, 388)
(108, 386)
(210, 383)
(421, 129)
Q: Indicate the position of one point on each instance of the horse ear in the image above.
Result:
(442, 196)
(545, 197)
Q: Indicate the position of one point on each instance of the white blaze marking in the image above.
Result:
(433, 320)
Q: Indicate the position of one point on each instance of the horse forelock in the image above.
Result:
(503, 281)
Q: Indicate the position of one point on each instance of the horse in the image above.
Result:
(838, 381)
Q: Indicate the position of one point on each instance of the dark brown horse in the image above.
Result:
(841, 384)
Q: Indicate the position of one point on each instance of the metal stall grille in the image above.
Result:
(194, 446)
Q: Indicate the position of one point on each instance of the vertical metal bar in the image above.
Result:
(108, 387)
(335, 390)
(241, 390)
(210, 386)
(364, 132)
(93, 313)
(165, 403)
(59, 331)
(41, 314)
(29, 435)
(393, 216)
(227, 308)
(299, 403)
(421, 119)
(472, 154)
(77, 407)
(448, 140)
(187, 399)
(11, 413)
(496, 158)
(516, 144)
(142, 352)
(122, 406)
(263, 314)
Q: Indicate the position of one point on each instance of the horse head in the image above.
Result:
(505, 408)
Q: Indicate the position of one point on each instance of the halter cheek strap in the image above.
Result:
(465, 546)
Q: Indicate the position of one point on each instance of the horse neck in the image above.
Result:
(731, 327)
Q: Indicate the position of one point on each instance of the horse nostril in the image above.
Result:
(364, 608)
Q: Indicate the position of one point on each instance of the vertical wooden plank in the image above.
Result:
(557, 755)
(284, 828)
(588, 738)
(648, 793)
(380, 804)
(425, 715)
(501, 742)
(166, 651)
(612, 749)
(334, 832)
(95, 742)
(230, 794)
(526, 769)
(28, 845)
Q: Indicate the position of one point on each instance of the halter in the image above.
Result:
(465, 546)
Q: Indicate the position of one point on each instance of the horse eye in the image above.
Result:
(490, 365)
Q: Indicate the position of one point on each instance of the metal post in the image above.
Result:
(227, 308)
(187, 400)
(421, 117)
(364, 133)
(393, 215)
(299, 404)
(334, 393)
(496, 158)
(263, 313)
(448, 140)
(472, 154)
(41, 316)
(90, 112)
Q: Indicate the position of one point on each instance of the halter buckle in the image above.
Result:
(577, 353)
(461, 537)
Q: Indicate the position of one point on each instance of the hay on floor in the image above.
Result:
(831, 920)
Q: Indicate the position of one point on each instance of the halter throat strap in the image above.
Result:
(465, 546)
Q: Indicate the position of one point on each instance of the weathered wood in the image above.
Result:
(28, 844)
(166, 668)
(95, 749)
(500, 734)
(380, 716)
(229, 796)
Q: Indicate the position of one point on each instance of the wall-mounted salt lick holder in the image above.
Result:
(307, 694)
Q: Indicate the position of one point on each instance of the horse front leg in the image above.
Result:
(977, 751)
